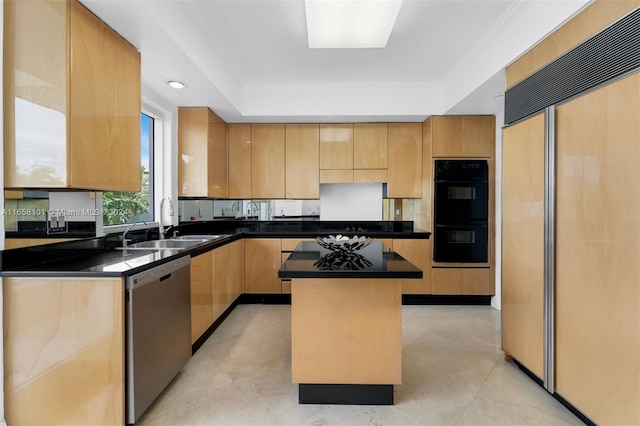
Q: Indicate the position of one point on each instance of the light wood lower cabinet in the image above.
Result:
(63, 350)
(462, 281)
(417, 252)
(201, 294)
(262, 260)
(228, 276)
(287, 246)
(217, 278)
(12, 243)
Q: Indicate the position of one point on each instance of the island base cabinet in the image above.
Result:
(346, 331)
(63, 351)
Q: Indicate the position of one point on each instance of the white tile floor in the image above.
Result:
(453, 374)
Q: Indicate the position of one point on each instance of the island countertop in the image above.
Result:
(310, 260)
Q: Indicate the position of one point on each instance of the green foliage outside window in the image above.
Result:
(127, 207)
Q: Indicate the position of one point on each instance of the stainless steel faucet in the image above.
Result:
(250, 209)
(160, 221)
(124, 234)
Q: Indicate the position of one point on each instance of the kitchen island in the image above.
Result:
(346, 322)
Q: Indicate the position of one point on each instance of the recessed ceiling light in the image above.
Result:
(176, 84)
(339, 24)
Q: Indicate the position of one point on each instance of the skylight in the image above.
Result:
(350, 24)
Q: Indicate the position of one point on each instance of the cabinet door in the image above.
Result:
(370, 146)
(267, 161)
(104, 106)
(447, 136)
(405, 160)
(478, 136)
(597, 253)
(228, 271)
(336, 176)
(336, 146)
(477, 281)
(35, 44)
(418, 252)
(523, 232)
(239, 161)
(370, 176)
(445, 280)
(201, 270)
(302, 161)
(465, 136)
(192, 152)
(262, 260)
(216, 156)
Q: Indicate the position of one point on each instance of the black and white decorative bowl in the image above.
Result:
(343, 243)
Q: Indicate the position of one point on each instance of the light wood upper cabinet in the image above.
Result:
(463, 136)
(336, 146)
(353, 153)
(239, 160)
(202, 153)
(370, 146)
(72, 100)
(405, 160)
(262, 260)
(267, 161)
(302, 161)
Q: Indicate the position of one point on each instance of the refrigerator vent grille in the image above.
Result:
(611, 53)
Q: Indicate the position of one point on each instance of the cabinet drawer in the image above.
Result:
(467, 281)
(370, 176)
(336, 176)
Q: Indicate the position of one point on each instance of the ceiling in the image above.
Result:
(249, 61)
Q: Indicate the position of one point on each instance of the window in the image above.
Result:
(128, 207)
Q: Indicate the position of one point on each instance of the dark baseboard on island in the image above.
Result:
(444, 299)
(347, 394)
(267, 299)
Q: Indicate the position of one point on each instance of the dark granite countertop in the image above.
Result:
(98, 257)
(310, 260)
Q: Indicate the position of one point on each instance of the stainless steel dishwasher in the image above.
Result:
(158, 332)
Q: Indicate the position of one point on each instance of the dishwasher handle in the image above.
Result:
(166, 277)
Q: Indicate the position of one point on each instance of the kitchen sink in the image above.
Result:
(177, 243)
(202, 237)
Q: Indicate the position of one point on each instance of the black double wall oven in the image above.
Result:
(461, 211)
